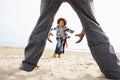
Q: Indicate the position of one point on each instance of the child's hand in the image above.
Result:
(49, 34)
(66, 45)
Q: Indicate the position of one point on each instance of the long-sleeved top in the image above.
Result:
(61, 32)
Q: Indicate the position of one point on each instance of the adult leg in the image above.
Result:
(98, 42)
(37, 40)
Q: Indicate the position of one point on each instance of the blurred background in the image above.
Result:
(18, 18)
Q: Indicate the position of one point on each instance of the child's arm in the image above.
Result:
(69, 30)
(66, 44)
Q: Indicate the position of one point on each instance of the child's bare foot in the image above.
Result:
(54, 55)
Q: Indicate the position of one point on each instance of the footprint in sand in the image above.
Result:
(89, 64)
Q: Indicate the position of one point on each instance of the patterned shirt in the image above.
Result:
(61, 32)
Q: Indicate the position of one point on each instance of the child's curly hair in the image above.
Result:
(62, 19)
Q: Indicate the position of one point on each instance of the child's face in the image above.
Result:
(61, 23)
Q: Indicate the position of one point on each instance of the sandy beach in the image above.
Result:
(71, 66)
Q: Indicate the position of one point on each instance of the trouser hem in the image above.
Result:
(27, 66)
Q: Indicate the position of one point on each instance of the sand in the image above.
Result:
(71, 66)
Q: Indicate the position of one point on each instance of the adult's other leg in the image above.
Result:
(37, 40)
(98, 42)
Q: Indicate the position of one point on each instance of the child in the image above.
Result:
(61, 36)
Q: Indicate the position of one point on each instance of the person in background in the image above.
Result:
(61, 36)
(99, 44)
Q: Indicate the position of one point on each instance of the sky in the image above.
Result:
(18, 18)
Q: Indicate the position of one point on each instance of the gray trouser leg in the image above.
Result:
(37, 40)
(98, 42)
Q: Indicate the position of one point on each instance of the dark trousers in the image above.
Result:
(101, 49)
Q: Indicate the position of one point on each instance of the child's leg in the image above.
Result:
(58, 47)
(64, 43)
